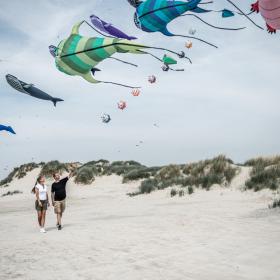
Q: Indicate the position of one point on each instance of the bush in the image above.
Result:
(262, 178)
(9, 178)
(169, 172)
(11, 193)
(52, 167)
(275, 203)
(181, 193)
(190, 190)
(173, 192)
(148, 186)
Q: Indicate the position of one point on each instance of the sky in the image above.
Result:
(226, 102)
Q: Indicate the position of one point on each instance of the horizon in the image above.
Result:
(226, 102)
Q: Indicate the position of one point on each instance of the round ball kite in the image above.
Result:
(122, 105)
(189, 45)
(105, 118)
(152, 79)
(135, 92)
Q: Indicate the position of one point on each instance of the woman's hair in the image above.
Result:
(37, 182)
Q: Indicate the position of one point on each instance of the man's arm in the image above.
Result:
(52, 196)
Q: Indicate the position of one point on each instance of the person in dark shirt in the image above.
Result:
(58, 196)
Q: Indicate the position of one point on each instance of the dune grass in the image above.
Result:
(265, 173)
(9, 193)
(203, 174)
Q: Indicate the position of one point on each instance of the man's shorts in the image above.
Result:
(44, 206)
(59, 206)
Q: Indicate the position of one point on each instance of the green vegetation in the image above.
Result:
(51, 167)
(275, 203)
(11, 193)
(202, 174)
(20, 172)
(173, 192)
(265, 173)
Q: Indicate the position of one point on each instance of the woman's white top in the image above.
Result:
(43, 190)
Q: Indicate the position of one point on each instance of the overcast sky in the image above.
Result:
(226, 102)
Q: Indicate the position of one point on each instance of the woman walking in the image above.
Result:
(42, 201)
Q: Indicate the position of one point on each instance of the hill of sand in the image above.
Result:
(224, 233)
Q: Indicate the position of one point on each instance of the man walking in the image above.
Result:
(58, 196)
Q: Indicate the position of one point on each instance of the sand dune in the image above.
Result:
(224, 233)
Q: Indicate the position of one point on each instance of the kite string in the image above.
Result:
(244, 14)
(117, 84)
(145, 52)
(123, 61)
(217, 27)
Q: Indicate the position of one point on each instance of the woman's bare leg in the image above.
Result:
(39, 217)
(43, 218)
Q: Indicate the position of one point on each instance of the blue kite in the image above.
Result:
(6, 128)
(155, 15)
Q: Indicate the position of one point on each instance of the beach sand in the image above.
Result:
(223, 233)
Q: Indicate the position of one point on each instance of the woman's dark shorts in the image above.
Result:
(44, 205)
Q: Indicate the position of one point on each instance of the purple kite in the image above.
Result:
(109, 28)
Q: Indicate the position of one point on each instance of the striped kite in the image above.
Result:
(155, 15)
(78, 55)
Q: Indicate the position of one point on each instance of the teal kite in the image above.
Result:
(155, 15)
(78, 55)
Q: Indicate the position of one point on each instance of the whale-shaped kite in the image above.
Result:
(6, 128)
(30, 89)
(78, 55)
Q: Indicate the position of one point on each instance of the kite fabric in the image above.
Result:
(78, 55)
(136, 92)
(155, 15)
(105, 118)
(7, 128)
(270, 11)
(30, 89)
(152, 79)
(109, 28)
(122, 105)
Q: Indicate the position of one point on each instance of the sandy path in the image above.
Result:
(220, 234)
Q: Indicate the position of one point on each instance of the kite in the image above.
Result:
(192, 31)
(167, 60)
(105, 118)
(109, 28)
(122, 105)
(155, 15)
(7, 128)
(152, 79)
(189, 45)
(135, 92)
(29, 89)
(270, 11)
(78, 55)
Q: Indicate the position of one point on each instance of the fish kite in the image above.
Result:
(105, 118)
(109, 28)
(30, 89)
(78, 55)
(7, 128)
(122, 105)
(270, 11)
(155, 15)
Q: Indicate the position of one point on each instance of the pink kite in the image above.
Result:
(270, 11)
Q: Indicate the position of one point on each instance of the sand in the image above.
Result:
(224, 233)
